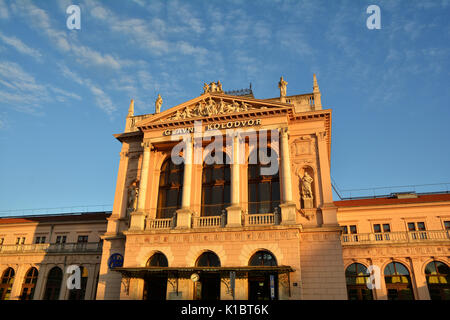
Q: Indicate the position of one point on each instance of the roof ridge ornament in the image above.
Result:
(213, 87)
(283, 88)
(131, 109)
(158, 104)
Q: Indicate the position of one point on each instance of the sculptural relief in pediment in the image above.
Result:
(210, 107)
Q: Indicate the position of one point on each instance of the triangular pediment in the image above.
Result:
(211, 105)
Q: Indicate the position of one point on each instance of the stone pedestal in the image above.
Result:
(137, 221)
(329, 214)
(184, 219)
(234, 216)
(288, 213)
(308, 203)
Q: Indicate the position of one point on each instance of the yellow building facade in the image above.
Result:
(36, 251)
(226, 196)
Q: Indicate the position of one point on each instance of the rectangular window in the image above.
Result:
(1, 241)
(418, 230)
(40, 240)
(61, 239)
(382, 231)
(345, 230)
(82, 239)
(20, 240)
(350, 229)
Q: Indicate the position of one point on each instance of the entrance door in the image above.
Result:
(359, 292)
(263, 287)
(155, 288)
(208, 287)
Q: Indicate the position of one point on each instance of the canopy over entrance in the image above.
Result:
(186, 272)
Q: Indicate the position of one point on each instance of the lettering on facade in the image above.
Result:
(216, 126)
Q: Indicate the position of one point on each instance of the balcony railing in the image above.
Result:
(161, 223)
(83, 247)
(395, 237)
(205, 222)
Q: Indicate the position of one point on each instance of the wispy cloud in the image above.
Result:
(4, 11)
(21, 47)
(102, 100)
(59, 37)
(22, 92)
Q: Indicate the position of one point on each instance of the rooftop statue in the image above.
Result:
(282, 85)
(158, 103)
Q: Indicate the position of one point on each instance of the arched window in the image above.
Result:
(79, 294)
(438, 280)
(158, 260)
(170, 189)
(357, 278)
(29, 284)
(215, 187)
(53, 286)
(208, 259)
(263, 258)
(263, 190)
(398, 282)
(6, 284)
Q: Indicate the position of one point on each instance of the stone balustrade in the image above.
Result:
(205, 222)
(260, 219)
(82, 247)
(395, 237)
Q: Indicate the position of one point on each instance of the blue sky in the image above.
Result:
(63, 93)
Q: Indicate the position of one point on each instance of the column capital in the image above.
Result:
(321, 135)
(123, 155)
(146, 145)
(284, 131)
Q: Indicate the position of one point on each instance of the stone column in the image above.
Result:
(41, 282)
(120, 196)
(287, 206)
(16, 289)
(418, 279)
(329, 210)
(184, 215)
(138, 217)
(235, 183)
(187, 178)
(234, 212)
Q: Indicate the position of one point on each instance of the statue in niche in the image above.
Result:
(158, 103)
(307, 194)
(282, 85)
(133, 194)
